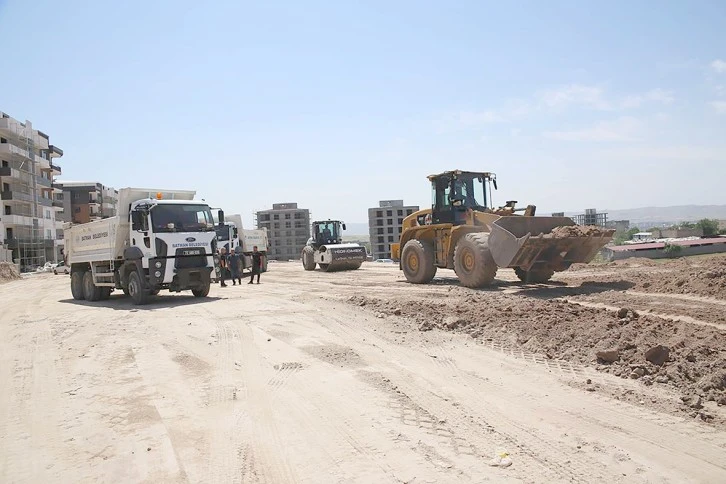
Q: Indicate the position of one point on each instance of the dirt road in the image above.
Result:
(314, 377)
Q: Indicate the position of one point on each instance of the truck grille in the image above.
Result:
(190, 257)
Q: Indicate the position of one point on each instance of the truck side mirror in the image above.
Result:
(220, 216)
(344, 227)
(234, 233)
(495, 184)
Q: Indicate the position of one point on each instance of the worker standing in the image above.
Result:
(234, 261)
(257, 258)
(222, 266)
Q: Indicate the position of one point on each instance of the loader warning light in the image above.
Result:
(158, 196)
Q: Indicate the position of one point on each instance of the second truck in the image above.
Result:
(160, 239)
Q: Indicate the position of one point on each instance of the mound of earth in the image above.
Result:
(686, 356)
(8, 272)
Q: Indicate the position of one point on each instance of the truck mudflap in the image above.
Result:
(552, 242)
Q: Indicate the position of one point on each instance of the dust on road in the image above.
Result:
(328, 377)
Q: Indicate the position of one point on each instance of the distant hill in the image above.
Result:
(655, 216)
(645, 216)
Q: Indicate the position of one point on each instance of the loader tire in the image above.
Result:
(534, 277)
(308, 258)
(77, 286)
(201, 291)
(473, 262)
(417, 261)
(90, 291)
(138, 294)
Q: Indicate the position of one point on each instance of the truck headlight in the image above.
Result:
(158, 264)
(157, 274)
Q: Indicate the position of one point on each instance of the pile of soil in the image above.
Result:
(567, 231)
(688, 357)
(703, 277)
(8, 272)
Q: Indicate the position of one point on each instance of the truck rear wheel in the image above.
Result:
(473, 262)
(201, 291)
(417, 261)
(534, 277)
(90, 291)
(105, 293)
(136, 289)
(77, 286)
(308, 258)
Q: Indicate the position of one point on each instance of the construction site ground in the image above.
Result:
(362, 377)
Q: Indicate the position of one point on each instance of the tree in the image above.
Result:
(632, 232)
(709, 226)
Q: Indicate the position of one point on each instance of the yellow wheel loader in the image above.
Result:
(462, 231)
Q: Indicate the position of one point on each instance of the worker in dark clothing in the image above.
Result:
(234, 262)
(222, 266)
(257, 258)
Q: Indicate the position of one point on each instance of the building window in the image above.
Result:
(287, 216)
(276, 225)
(389, 213)
(390, 238)
(400, 212)
(380, 231)
(48, 234)
(8, 210)
(380, 239)
(381, 248)
(400, 221)
(289, 233)
(5, 164)
(276, 216)
(47, 214)
(379, 222)
(379, 213)
(409, 211)
(288, 225)
(389, 221)
(390, 230)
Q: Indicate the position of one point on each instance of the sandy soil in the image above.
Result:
(360, 377)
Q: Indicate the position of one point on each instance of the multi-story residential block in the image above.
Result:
(27, 169)
(384, 225)
(288, 230)
(84, 202)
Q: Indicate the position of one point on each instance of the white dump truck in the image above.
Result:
(160, 239)
(231, 235)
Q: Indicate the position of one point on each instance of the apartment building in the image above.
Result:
(384, 225)
(288, 230)
(85, 202)
(27, 169)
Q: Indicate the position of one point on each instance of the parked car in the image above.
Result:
(384, 260)
(61, 269)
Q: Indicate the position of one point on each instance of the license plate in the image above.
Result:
(191, 252)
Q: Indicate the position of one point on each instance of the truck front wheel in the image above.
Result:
(77, 285)
(201, 291)
(136, 289)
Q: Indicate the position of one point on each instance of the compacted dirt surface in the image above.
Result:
(611, 373)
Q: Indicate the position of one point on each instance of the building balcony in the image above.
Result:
(17, 220)
(18, 242)
(54, 151)
(44, 182)
(58, 203)
(11, 195)
(7, 171)
(55, 169)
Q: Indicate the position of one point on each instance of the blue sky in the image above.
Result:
(337, 105)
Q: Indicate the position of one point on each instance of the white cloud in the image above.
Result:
(575, 94)
(622, 129)
(719, 66)
(719, 106)
(595, 97)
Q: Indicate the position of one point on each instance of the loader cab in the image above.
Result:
(456, 192)
(327, 232)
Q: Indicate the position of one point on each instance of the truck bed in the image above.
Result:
(95, 241)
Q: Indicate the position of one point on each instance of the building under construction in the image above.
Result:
(27, 169)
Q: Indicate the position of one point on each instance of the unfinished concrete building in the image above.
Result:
(27, 171)
(288, 229)
(384, 225)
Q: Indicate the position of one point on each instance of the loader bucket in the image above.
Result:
(553, 242)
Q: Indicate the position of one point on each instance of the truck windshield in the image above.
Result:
(181, 218)
(222, 232)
